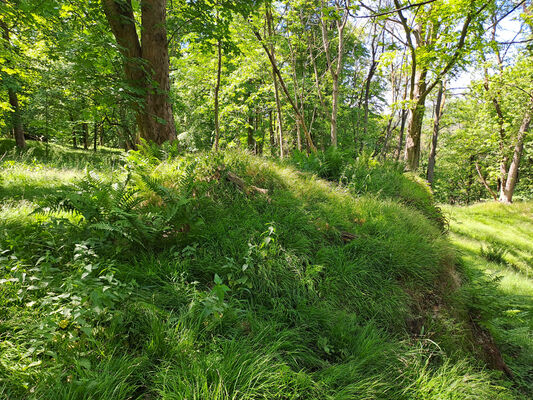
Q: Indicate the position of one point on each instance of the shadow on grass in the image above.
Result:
(506, 314)
(22, 191)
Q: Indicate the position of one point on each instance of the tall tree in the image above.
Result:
(439, 109)
(339, 12)
(10, 80)
(434, 31)
(146, 64)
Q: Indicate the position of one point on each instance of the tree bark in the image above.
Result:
(425, 35)
(74, 140)
(416, 119)
(95, 138)
(18, 129)
(251, 131)
(16, 120)
(507, 191)
(279, 114)
(217, 90)
(335, 71)
(146, 64)
(439, 109)
(271, 131)
(85, 129)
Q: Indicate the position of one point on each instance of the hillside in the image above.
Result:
(228, 276)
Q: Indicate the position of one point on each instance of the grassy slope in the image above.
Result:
(505, 230)
(263, 299)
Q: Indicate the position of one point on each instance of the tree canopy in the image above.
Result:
(281, 77)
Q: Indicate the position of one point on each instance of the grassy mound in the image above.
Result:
(221, 277)
(366, 176)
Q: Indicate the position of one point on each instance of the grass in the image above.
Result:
(497, 240)
(164, 280)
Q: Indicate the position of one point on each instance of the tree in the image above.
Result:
(8, 75)
(439, 109)
(437, 40)
(146, 64)
(338, 12)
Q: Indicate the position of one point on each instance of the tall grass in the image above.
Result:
(496, 244)
(303, 292)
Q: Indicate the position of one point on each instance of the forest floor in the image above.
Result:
(496, 240)
(234, 277)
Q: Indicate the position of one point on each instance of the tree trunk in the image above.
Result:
(334, 108)
(85, 131)
(369, 77)
(388, 133)
(74, 140)
(403, 120)
(217, 90)
(439, 108)
(288, 96)
(95, 139)
(13, 99)
(17, 122)
(279, 119)
(416, 119)
(146, 66)
(485, 183)
(251, 140)
(335, 71)
(159, 120)
(272, 134)
(414, 130)
(507, 191)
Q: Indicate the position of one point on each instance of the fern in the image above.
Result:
(114, 210)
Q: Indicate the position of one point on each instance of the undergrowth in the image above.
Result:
(364, 175)
(162, 278)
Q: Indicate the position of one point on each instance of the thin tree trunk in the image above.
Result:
(288, 96)
(268, 15)
(484, 182)
(250, 139)
(272, 133)
(95, 136)
(334, 71)
(317, 78)
(439, 108)
(424, 36)
(17, 122)
(388, 134)
(13, 99)
(217, 89)
(416, 119)
(506, 194)
(85, 131)
(402, 134)
(74, 140)
(371, 71)
(403, 120)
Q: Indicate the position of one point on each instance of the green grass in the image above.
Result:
(164, 280)
(478, 232)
